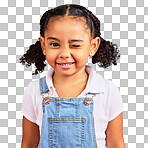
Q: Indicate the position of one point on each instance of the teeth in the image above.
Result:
(66, 64)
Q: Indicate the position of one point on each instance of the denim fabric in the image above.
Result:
(67, 122)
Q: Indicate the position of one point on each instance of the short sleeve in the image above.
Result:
(116, 103)
(28, 105)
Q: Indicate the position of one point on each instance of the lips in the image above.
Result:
(66, 65)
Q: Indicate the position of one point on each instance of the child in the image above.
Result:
(72, 106)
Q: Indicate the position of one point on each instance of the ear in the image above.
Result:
(42, 40)
(95, 43)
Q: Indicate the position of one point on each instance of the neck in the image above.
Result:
(80, 76)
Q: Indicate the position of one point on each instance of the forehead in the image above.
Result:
(64, 18)
(68, 22)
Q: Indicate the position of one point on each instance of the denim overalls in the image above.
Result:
(67, 122)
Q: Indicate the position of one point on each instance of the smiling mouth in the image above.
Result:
(66, 65)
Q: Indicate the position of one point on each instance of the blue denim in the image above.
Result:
(67, 122)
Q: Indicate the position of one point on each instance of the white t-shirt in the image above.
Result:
(107, 103)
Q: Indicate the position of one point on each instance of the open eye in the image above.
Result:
(54, 44)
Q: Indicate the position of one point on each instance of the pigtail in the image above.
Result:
(34, 55)
(108, 53)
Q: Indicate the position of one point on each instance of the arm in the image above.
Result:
(31, 135)
(114, 133)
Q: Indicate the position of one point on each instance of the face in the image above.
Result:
(67, 45)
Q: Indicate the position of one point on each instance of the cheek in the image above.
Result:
(50, 57)
(81, 57)
(84, 53)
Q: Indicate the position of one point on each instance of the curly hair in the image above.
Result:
(106, 55)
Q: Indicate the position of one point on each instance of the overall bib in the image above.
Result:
(67, 122)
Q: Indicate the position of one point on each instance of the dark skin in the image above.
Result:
(31, 135)
(114, 131)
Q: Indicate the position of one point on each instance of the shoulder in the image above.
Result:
(104, 84)
(33, 84)
(111, 93)
(33, 87)
(110, 85)
(32, 94)
(30, 101)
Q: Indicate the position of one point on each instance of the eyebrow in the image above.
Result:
(74, 40)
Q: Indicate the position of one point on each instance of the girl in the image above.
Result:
(72, 106)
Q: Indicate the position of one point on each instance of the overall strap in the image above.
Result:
(43, 85)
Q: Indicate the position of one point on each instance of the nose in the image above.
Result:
(65, 53)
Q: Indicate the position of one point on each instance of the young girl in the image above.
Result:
(72, 106)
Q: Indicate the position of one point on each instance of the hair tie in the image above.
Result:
(101, 39)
